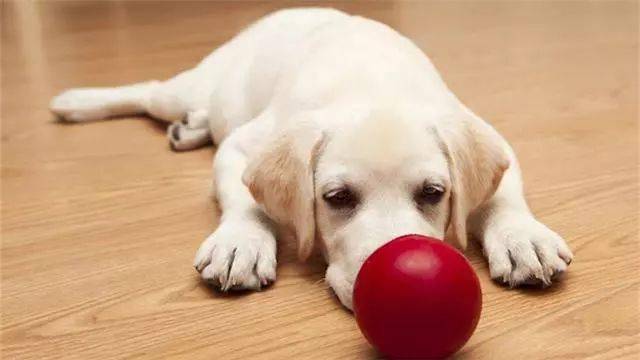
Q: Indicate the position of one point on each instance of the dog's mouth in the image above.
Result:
(341, 284)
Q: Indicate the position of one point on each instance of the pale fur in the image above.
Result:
(306, 100)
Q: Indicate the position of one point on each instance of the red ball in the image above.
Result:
(417, 298)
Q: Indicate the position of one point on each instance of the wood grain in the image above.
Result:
(100, 221)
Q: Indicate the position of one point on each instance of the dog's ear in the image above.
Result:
(477, 160)
(281, 179)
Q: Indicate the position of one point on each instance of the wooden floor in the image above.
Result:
(100, 221)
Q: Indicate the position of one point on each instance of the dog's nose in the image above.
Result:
(370, 249)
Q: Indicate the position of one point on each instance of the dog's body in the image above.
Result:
(344, 133)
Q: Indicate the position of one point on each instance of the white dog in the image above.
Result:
(340, 130)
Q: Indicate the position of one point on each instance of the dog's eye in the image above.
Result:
(429, 194)
(342, 198)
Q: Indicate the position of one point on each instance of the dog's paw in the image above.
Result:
(238, 255)
(81, 105)
(192, 133)
(523, 251)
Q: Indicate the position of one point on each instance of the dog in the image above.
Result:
(339, 131)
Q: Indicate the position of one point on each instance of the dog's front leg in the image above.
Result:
(519, 248)
(241, 253)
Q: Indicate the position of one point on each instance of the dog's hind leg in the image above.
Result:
(180, 100)
(86, 104)
(168, 100)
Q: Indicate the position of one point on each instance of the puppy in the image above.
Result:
(340, 131)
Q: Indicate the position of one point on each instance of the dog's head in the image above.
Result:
(352, 186)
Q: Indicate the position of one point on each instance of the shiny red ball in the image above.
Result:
(417, 298)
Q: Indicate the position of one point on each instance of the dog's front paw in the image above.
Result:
(521, 250)
(238, 255)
